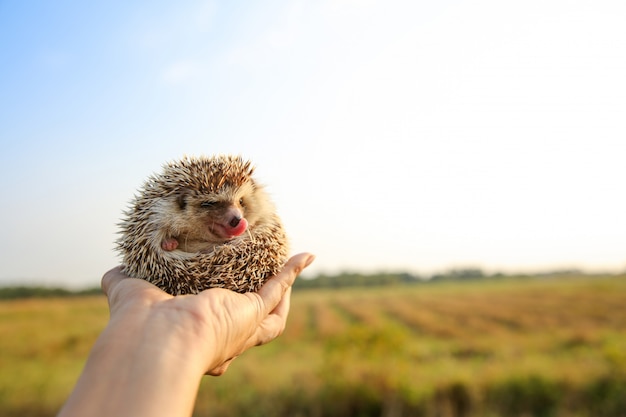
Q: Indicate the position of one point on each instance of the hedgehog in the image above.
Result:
(203, 222)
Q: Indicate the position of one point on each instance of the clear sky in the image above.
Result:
(393, 135)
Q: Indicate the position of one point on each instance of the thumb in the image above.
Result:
(275, 288)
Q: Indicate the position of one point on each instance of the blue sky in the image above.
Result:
(393, 135)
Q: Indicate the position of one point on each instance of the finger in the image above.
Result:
(111, 279)
(282, 309)
(221, 369)
(272, 327)
(274, 324)
(275, 288)
(116, 285)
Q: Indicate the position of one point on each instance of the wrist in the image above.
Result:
(139, 370)
(148, 347)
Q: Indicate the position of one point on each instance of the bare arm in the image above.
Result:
(151, 356)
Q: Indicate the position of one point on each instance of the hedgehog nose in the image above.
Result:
(235, 221)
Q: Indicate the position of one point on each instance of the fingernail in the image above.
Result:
(310, 260)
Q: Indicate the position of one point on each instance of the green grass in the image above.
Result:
(43, 346)
(514, 347)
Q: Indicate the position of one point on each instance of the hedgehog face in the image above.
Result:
(203, 222)
(195, 221)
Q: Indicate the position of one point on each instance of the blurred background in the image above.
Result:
(397, 135)
(476, 143)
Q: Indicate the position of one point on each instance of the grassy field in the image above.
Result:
(512, 347)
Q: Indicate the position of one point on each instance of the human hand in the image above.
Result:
(210, 328)
(150, 358)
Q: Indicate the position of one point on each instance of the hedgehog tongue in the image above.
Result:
(239, 229)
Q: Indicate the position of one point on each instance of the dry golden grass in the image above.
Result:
(497, 348)
(43, 345)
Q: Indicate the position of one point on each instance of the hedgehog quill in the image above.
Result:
(203, 222)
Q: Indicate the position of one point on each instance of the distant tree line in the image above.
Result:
(350, 279)
(9, 293)
(341, 280)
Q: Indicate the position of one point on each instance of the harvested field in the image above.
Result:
(509, 347)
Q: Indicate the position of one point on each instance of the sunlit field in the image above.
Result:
(509, 347)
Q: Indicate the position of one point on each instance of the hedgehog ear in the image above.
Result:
(181, 199)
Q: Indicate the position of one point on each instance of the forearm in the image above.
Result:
(136, 372)
(153, 353)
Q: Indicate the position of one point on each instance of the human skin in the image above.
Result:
(151, 356)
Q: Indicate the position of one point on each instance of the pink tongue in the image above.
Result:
(239, 229)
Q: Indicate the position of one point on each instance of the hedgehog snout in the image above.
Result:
(235, 221)
(234, 224)
(232, 217)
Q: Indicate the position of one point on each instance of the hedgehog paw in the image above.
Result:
(169, 244)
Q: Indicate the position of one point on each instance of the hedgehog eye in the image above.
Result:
(207, 204)
(182, 202)
(241, 203)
